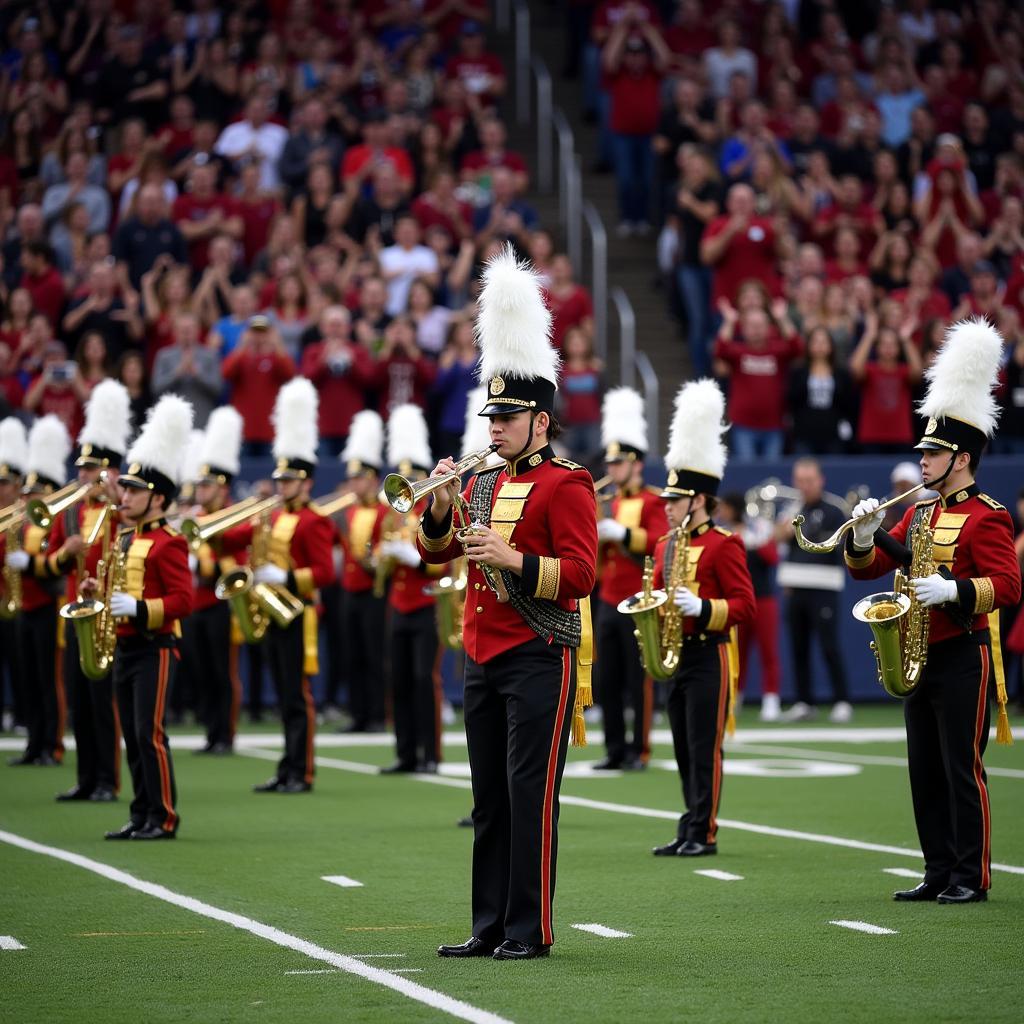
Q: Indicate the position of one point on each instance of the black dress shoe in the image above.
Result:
(46, 759)
(466, 822)
(22, 759)
(398, 768)
(923, 892)
(426, 768)
(691, 848)
(152, 832)
(272, 785)
(125, 831)
(513, 949)
(295, 786)
(74, 793)
(961, 894)
(669, 849)
(633, 764)
(471, 947)
(103, 795)
(608, 764)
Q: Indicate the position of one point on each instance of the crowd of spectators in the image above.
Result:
(833, 184)
(210, 198)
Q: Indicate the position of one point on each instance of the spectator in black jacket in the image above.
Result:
(821, 400)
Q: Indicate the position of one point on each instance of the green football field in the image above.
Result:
(235, 921)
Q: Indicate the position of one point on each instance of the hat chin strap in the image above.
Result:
(949, 469)
(529, 440)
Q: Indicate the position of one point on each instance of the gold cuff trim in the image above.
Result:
(638, 541)
(859, 561)
(154, 612)
(304, 582)
(548, 576)
(984, 595)
(719, 614)
(434, 544)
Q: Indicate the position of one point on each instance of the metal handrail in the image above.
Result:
(598, 276)
(545, 108)
(651, 398)
(522, 59)
(627, 336)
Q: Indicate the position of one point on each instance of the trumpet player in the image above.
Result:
(412, 631)
(13, 460)
(629, 533)
(148, 588)
(103, 442)
(976, 573)
(49, 447)
(363, 601)
(299, 561)
(709, 584)
(532, 549)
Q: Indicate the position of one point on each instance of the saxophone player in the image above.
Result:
(13, 460)
(148, 589)
(49, 448)
(103, 442)
(709, 583)
(975, 574)
(299, 560)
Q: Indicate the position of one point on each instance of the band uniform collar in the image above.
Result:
(149, 525)
(699, 531)
(630, 490)
(958, 497)
(526, 463)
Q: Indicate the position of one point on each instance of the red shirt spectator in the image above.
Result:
(568, 301)
(634, 83)
(449, 19)
(43, 281)
(255, 371)
(848, 211)
(481, 72)
(360, 159)
(611, 12)
(202, 212)
(440, 207)
(886, 385)
(404, 373)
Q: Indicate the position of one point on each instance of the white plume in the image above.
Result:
(365, 439)
(164, 438)
(108, 417)
(623, 419)
(962, 380)
(49, 447)
(513, 326)
(295, 420)
(193, 459)
(477, 435)
(14, 444)
(223, 439)
(408, 438)
(695, 436)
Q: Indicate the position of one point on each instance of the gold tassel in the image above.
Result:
(584, 687)
(1004, 735)
(733, 659)
(310, 660)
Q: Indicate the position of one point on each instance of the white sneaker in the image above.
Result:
(624, 230)
(771, 709)
(799, 712)
(841, 712)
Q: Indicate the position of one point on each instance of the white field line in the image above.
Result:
(603, 930)
(9, 942)
(386, 979)
(863, 926)
(652, 812)
(343, 880)
(903, 873)
(326, 970)
(721, 876)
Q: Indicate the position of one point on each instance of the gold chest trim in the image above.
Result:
(946, 536)
(281, 539)
(135, 566)
(629, 511)
(34, 540)
(360, 534)
(508, 508)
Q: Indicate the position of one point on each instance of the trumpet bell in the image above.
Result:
(885, 614)
(401, 494)
(38, 513)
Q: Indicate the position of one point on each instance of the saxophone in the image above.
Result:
(898, 622)
(10, 605)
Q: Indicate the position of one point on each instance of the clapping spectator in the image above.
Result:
(404, 373)
(569, 301)
(42, 280)
(480, 71)
(288, 314)
(131, 372)
(899, 94)
(93, 360)
(440, 206)
(1005, 242)
(202, 212)
(403, 262)
(53, 389)
(255, 136)
(506, 217)
(478, 166)
(310, 142)
(189, 369)
(753, 138)
(143, 238)
(101, 310)
(362, 161)
(985, 298)
(430, 319)
(721, 62)
(227, 331)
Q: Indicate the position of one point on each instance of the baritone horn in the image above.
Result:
(403, 495)
(826, 547)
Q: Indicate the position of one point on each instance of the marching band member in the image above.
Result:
(629, 532)
(716, 594)
(102, 444)
(13, 460)
(532, 549)
(947, 713)
(412, 631)
(211, 647)
(49, 447)
(149, 593)
(362, 610)
(300, 560)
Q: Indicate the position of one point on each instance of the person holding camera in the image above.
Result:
(53, 390)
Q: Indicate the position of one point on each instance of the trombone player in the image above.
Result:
(975, 574)
(102, 444)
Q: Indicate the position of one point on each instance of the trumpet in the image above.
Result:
(41, 512)
(404, 495)
(12, 517)
(330, 505)
(201, 529)
(829, 545)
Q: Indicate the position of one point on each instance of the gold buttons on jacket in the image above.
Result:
(479, 609)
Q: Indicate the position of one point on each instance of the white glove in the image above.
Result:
(270, 573)
(193, 563)
(609, 529)
(688, 602)
(18, 560)
(404, 552)
(122, 605)
(864, 529)
(934, 589)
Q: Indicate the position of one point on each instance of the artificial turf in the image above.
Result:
(758, 949)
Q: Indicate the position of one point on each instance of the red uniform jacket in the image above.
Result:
(716, 572)
(360, 536)
(82, 520)
(34, 593)
(642, 512)
(974, 540)
(544, 507)
(300, 541)
(158, 578)
(409, 584)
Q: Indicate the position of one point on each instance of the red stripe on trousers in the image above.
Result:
(547, 823)
(160, 740)
(723, 704)
(979, 726)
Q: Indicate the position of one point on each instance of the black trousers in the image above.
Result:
(363, 618)
(206, 656)
(256, 658)
(947, 719)
(144, 672)
(285, 649)
(43, 687)
(417, 702)
(698, 702)
(12, 683)
(811, 613)
(334, 648)
(94, 721)
(518, 709)
(620, 681)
